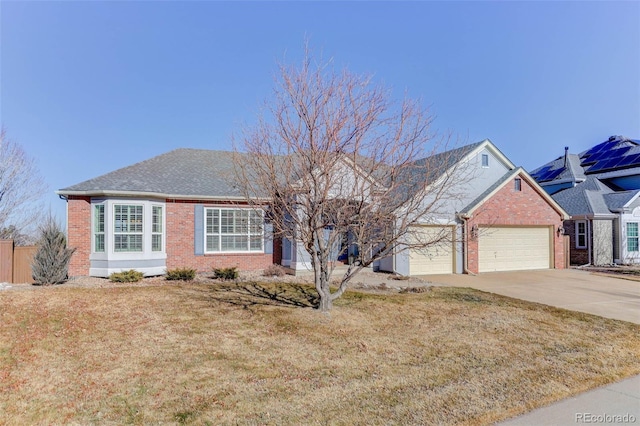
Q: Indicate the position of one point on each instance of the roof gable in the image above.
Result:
(499, 184)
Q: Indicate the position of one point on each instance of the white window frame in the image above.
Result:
(98, 227)
(484, 160)
(633, 237)
(157, 228)
(219, 234)
(583, 234)
(129, 232)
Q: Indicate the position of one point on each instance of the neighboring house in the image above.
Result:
(182, 209)
(599, 189)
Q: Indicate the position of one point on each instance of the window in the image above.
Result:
(632, 236)
(517, 184)
(581, 234)
(485, 160)
(229, 230)
(127, 228)
(98, 228)
(156, 228)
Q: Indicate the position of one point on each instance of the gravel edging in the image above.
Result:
(366, 280)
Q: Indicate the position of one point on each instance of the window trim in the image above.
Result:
(206, 234)
(160, 224)
(517, 184)
(95, 230)
(141, 233)
(579, 234)
(631, 238)
(484, 161)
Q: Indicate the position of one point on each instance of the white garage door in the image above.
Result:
(514, 248)
(437, 258)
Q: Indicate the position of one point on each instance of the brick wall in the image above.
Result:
(79, 234)
(511, 207)
(577, 256)
(180, 244)
(179, 241)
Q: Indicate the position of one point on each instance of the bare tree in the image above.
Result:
(21, 191)
(337, 164)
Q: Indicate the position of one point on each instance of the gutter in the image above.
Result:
(139, 194)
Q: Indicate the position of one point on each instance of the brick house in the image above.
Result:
(182, 209)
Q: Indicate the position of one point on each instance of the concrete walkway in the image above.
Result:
(615, 404)
(609, 297)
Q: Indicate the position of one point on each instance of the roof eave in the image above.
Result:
(140, 194)
(592, 216)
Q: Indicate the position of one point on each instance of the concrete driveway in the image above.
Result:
(572, 289)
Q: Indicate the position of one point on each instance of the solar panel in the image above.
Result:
(600, 147)
(554, 173)
(537, 175)
(611, 157)
(603, 165)
(632, 160)
(549, 175)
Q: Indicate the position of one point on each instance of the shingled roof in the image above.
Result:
(182, 173)
(593, 198)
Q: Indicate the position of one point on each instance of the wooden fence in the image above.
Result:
(15, 262)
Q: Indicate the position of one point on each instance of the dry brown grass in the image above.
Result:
(252, 354)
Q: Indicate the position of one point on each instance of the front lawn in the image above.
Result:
(256, 354)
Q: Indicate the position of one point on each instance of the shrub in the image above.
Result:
(181, 274)
(226, 273)
(50, 263)
(130, 276)
(274, 270)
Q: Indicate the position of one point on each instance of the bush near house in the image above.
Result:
(130, 276)
(274, 270)
(226, 273)
(181, 274)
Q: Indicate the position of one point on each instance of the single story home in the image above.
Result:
(182, 209)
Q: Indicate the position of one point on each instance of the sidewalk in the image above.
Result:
(615, 404)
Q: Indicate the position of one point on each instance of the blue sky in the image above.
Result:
(89, 87)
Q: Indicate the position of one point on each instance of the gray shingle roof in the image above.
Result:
(427, 170)
(182, 173)
(617, 200)
(586, 198)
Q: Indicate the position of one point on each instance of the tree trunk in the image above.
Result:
(325, 302)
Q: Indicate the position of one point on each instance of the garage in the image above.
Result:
(437, 258)
(514, 248)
